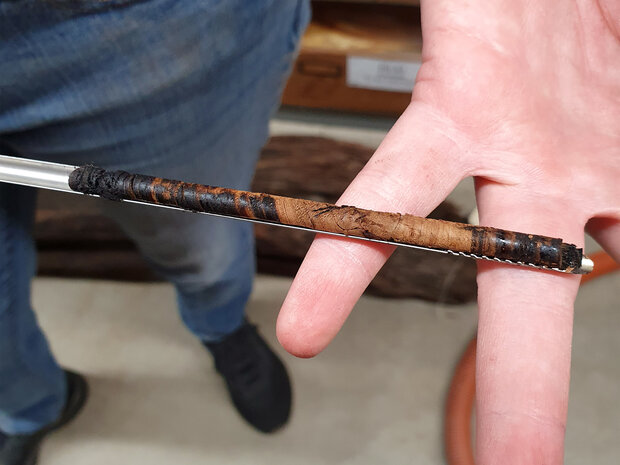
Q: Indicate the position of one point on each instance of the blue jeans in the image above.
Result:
(175, 88)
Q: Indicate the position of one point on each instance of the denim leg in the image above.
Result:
(209, 260)
(32, 385)
(174, 89)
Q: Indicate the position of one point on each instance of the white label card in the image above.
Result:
(389, 75)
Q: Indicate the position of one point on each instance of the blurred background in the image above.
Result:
(377, 394)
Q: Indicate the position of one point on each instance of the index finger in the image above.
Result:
(419, 162)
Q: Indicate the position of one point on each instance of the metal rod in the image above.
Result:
(389, 228)
(35, 173)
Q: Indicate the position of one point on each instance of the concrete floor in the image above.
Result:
(374, 396)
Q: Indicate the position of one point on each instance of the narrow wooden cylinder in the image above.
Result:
(477, 241)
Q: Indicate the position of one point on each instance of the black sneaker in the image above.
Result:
(23, 449)
(256, 378)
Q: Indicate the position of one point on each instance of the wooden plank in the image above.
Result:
(368, 28)
(338, 30)
(384, 2)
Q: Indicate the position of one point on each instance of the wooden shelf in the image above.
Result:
(385, 2)
(385, 34)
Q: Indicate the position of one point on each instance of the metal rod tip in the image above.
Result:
(587, 265)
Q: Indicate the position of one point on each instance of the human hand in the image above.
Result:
(526, 99)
